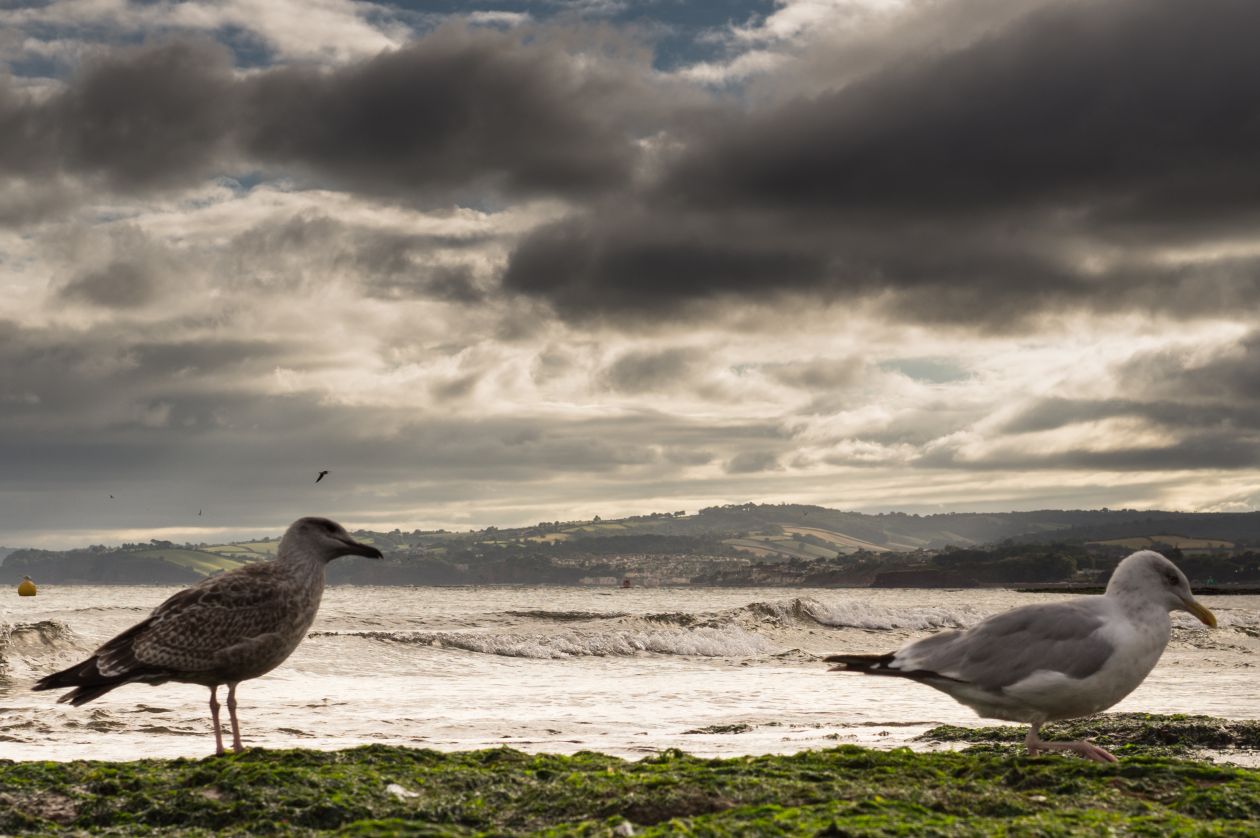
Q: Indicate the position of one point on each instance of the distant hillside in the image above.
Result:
(1242, 528)
(714, 543)
(792, 530)
(158, 562)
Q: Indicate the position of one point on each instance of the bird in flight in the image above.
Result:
(321, 475)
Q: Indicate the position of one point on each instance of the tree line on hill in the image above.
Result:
(947, 549)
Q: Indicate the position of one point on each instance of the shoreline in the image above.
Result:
(988, 788)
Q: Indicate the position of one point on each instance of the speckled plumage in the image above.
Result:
(223, 630)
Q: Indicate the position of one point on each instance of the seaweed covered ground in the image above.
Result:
(1179, 735)
(376, 790)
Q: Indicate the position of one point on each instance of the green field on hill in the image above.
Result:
(203, 562)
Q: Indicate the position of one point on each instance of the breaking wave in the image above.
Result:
(703, 642)
(27, 642)
(805, 611)
(757, 629)
(567, 616)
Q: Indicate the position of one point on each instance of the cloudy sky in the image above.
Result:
(500, 262)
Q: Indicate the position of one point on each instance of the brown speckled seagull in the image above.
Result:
(227, 629)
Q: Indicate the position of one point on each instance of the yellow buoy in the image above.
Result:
(27, 587)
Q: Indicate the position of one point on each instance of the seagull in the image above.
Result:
(224, 630)
(1061, 660)
(321, 475)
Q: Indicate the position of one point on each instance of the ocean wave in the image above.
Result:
(730, 642)
(863, 615)
(567, 616)
(26, 641)
(759, 629)
(808, 611)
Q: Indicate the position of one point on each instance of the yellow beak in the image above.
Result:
(1205, 616)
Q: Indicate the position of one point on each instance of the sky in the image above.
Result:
(505, 262)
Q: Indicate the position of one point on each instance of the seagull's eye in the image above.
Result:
(1171, 579)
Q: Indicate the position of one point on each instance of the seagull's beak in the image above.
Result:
(1205, 616)
(355, 548)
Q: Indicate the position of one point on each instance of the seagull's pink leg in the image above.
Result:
(1033, 739)
(1086, 749)
(214, 718)
(236, 728)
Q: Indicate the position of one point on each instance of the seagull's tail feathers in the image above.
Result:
(869, 664)
(113, 665)
(883, 665)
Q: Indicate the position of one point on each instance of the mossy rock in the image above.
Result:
(378, 790)
(1123, 733)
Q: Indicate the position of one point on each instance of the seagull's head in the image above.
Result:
(1154, 578)
(325, 540)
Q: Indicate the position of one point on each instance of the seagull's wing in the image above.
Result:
(184, 635)
(190, 630)
(1062, 637)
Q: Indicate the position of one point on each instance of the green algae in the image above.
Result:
(738, 727)
(1122, 733)
(378, 790)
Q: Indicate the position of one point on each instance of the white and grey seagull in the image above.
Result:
(224, 630)
(1061, 660)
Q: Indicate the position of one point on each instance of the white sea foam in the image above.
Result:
(729, 642)
(852, 613)
(23, 645)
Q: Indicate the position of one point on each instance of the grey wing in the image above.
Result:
(1006, 648)
(189, 630)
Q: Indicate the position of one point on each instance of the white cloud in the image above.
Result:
(322, 30)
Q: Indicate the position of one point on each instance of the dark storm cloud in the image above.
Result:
(456, 110)
(148, 117)
(1146, 101)
(136, 118)
(963, 187)
(640, 265)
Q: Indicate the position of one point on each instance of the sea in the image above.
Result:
(712, 671)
